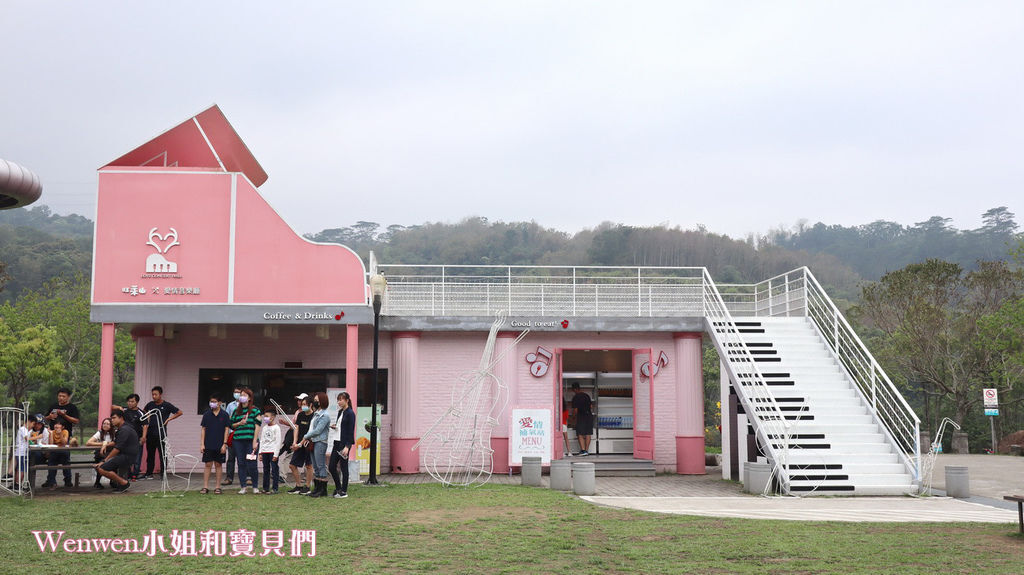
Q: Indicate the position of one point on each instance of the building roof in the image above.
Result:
(206, 140)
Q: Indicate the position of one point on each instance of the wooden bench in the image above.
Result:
(78, 450)
(1020, 508)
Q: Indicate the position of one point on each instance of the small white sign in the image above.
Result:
(991, 396)
(530, 435)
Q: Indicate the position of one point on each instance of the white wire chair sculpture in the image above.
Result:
(928, 460)
(457, 447)
(170, 461)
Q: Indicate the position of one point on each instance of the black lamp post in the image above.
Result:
(377, 287)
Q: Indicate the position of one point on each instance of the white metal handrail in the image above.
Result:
(883, 398)
(595, 291)
(768, 419)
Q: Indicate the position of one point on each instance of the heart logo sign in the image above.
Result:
(157, 263)
(565, 324)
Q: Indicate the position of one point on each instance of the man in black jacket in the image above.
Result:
(121, 456)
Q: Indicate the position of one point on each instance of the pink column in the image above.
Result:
(405, 383)
(506, 370)
(106, 370)
(689, 404)
(150, 358)
(352, 362)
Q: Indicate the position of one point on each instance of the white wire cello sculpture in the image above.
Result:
(457, 448)
(169, 462)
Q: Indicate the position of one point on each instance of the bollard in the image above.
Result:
(958, 483)
(531, 471)
(583, 482)
(561, 475)
(756, 477)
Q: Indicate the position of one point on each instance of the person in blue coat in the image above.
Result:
(345, 437)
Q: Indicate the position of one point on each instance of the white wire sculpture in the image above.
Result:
(928, 461)
(457, 447)
(169, 463)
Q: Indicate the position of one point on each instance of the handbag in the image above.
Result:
(231, 438)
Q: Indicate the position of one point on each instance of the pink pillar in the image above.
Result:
(352, 362)
(689, 404)
(506, 370)
(405, 402)
(106, 371)
(150, 358)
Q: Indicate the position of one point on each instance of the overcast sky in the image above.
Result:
(741, 116)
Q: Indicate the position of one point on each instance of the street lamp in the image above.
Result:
(377, 286)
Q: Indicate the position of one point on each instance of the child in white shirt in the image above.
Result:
(269, 445)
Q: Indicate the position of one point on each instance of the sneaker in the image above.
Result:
(228, 481)
(242, 491)
(304, 490)
(255, 491)
(274, 492)
(121, 488)
(584, 453)
(340, 495)
(293, 490)
(146, 477)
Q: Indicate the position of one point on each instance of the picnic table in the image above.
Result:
(1019, 499)
(76, 450)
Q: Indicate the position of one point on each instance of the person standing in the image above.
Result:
(301, 466)
(119, 459)
(345, 436)
(584, 418)
(213, 436)
(319, 430)
(270, 445)
(230, 409)
(245, 423)
(156, 439)
(64, 412)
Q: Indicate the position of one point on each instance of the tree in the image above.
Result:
(930, 315)
(28, 359)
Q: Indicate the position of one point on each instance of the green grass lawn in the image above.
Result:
(493, 529)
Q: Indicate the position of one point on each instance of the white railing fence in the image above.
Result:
(542, 290)
(770, 425)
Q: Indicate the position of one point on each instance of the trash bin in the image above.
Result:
(756, 477)
(531, 471)
(561, 475)
(583, 482)
(958, 483)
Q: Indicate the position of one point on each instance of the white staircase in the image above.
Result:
(835, 445)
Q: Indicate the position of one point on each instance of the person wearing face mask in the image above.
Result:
(230, 409)
(213, 436)
(301, 466)
(270, 444)
(245, 423)
(319, 431)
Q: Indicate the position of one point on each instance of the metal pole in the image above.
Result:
(995, 443)
(372, 480)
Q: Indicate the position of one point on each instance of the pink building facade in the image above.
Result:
(218, 290)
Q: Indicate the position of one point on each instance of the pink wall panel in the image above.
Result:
(445, 356)
(129, 205)
(245, 347)
(275, 265)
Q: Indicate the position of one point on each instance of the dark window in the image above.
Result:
(364, 380)
(283, 385)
